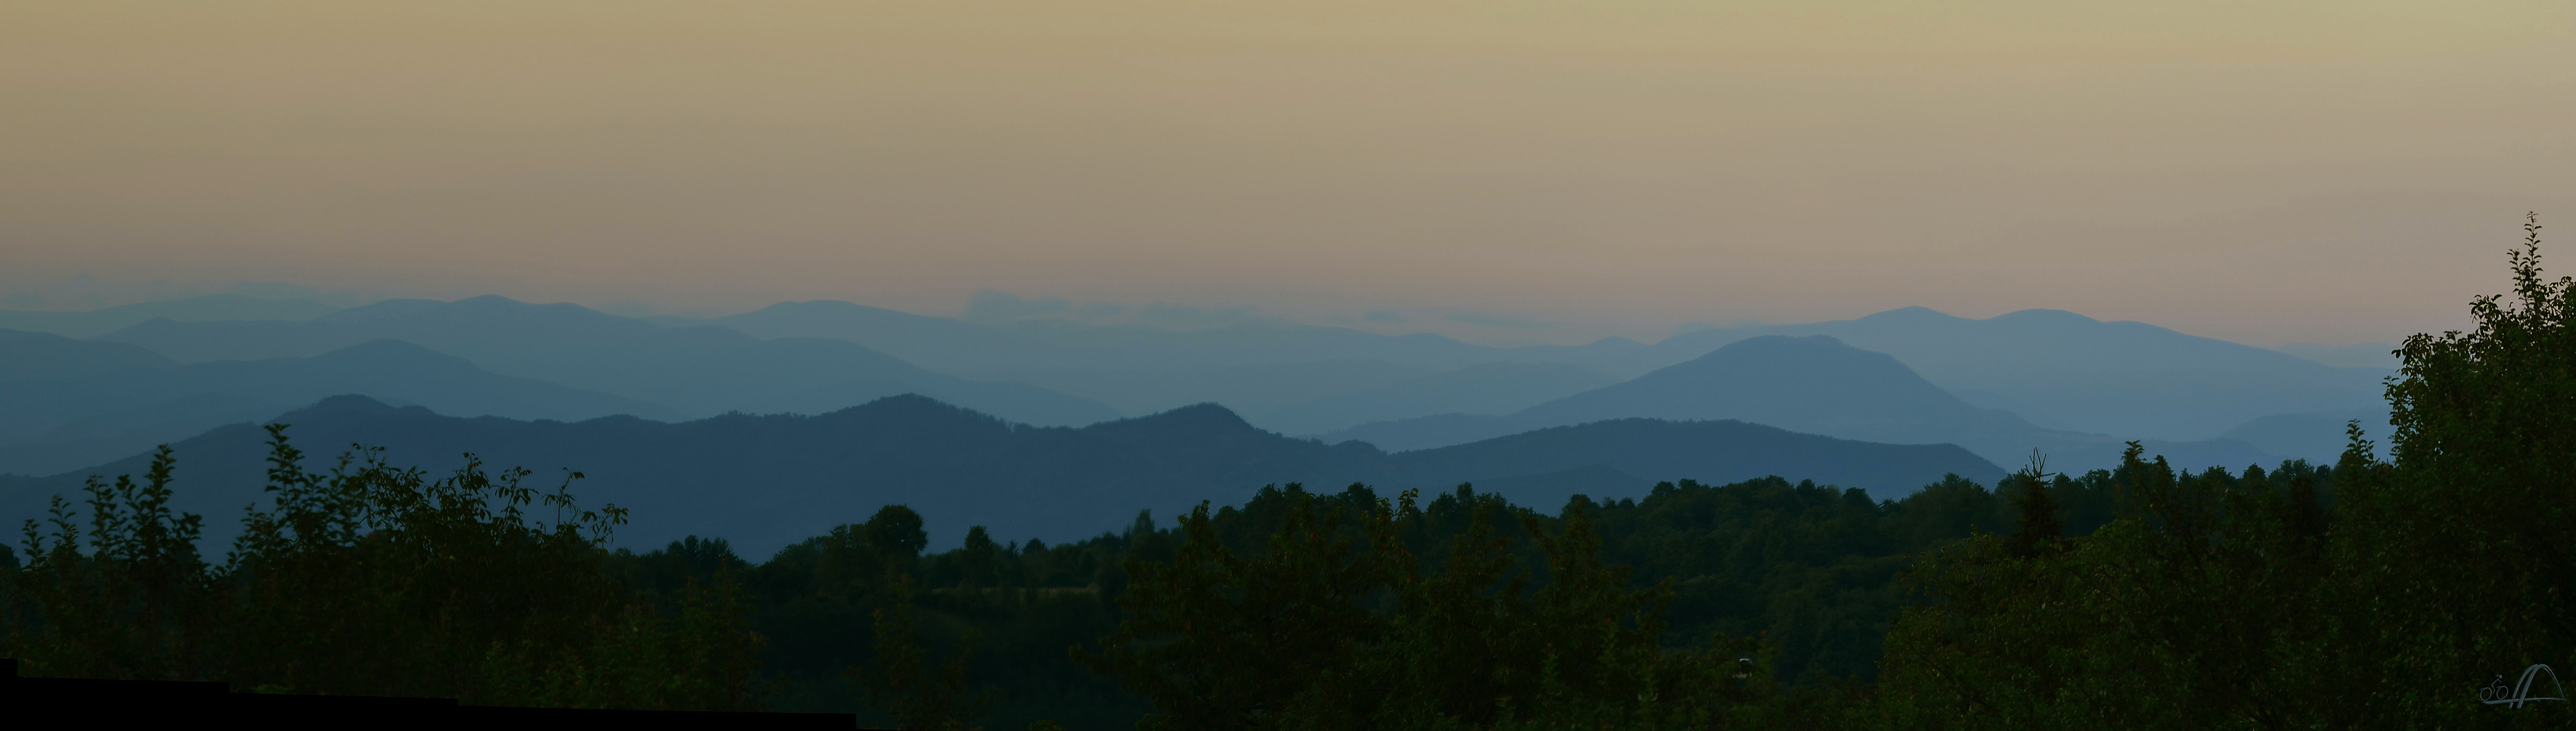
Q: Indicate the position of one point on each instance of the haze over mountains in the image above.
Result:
(698, 370)
(209, 308)
(2069, 385)
(2058, 369)
(1256, 367)
(67, 404)
(2066, 371)
(1813, 384)
(762, 481)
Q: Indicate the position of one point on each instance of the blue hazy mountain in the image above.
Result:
(2070, 372)
(210, 308)
(699, 370)
(1263, 368)
(2066, 371)
(2058, 369)
(25, 355)
(61, 421)
(943, 343)
(1812, 384)
(1491, 388)
(763, 481)
(1256, 388)
(958, 346)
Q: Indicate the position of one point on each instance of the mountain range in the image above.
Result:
(2073, 387)
(1260, 367)
(66, 404)
(209, 308)
(2065, 371)
(1813, 384)
(763, 481)
(697, 370)
(2060, 370)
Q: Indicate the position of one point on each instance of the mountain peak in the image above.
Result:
(1200, 418)
(1770, 362)
(2044, 315)
(1917, 313)
(912, 405)
(1814, 384)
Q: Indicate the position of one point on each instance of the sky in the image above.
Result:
(1509, 172)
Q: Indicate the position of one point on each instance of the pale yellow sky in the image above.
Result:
(2318, 171)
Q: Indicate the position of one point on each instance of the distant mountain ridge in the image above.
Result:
(762, 481)
(1491, 388)
(959, 346)
(1811, 384)
(699, 370)
(2066, 371)
(209, 308)
(1261, 368)
(2059, 369)
(54, 419)
(26, 355)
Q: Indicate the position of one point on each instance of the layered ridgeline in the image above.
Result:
(1491, 388)
(67, 404)
(1814, 384)
(763, 481)
(955, 345)
(1284, 376)
(2066, 371)
(209, 308)
(2059, 369)
(699, 370)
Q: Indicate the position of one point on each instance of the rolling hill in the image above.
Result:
(763, 481)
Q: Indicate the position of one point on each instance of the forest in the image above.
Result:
(2403, 586)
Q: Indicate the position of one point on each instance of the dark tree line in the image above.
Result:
(370, 580)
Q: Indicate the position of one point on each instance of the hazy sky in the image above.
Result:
(2319, 171)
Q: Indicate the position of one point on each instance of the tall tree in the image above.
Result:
(2457, 554)
(2041, 526)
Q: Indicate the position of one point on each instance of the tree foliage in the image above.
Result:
(2264, 600)
(370, 579)
(1338, 623)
